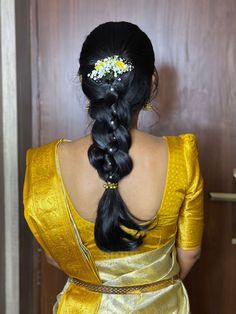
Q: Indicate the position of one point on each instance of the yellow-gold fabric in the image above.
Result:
(69, 240)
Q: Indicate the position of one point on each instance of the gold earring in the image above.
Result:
(87, 106)
(147, 107)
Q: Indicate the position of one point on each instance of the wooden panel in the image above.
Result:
(195, 47)
(27, 286)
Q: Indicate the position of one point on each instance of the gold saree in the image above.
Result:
(69, 240)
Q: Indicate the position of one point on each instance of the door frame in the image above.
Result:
(9, 187)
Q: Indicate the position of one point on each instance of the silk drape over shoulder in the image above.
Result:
(69, 240)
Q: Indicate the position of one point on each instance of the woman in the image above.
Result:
(119, 211)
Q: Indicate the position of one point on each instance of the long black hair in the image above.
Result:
(112, 103)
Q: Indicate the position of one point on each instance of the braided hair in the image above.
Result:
(112, 103)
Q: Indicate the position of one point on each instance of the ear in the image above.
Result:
(155, 82)
(153, 78)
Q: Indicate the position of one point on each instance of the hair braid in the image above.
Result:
(109, 155)
(112, 103)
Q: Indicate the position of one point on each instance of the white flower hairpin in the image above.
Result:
(110, 68)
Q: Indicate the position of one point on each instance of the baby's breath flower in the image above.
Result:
(109, 68)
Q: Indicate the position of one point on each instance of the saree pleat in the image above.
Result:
(63, 235)
(139, 269)
(157, 264)
(144, 268)
(169, 300)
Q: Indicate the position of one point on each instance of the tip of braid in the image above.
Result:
(109, 232)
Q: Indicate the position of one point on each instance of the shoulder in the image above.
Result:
(190, 143)
(40, 168)
(188, 138)
(183, 148)
(41, 153)
(184, 137)
(145, 140)
(190, 152)
(184, 141)
(72, 152)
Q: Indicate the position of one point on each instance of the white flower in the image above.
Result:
(110, 67)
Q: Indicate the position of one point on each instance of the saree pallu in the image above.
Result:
(50, 219)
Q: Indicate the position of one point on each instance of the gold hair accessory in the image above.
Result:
(147, 107)
(110, 68)
(110, 185)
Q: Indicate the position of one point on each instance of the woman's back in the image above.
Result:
(142, 190)
(66, 233)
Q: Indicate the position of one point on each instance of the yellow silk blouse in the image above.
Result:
(179, 217)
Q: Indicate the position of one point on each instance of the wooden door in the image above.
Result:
(195, 46)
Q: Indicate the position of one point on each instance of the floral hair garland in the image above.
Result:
(110, 68)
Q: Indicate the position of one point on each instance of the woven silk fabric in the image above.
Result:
(69, 240)
(143, 268)
(149, 266)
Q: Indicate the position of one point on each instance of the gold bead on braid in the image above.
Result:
(110, 185)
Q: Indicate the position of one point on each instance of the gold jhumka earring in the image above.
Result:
(147, 107)
(87, 106)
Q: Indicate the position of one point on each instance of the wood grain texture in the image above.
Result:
(24, 111)
(195, 48)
